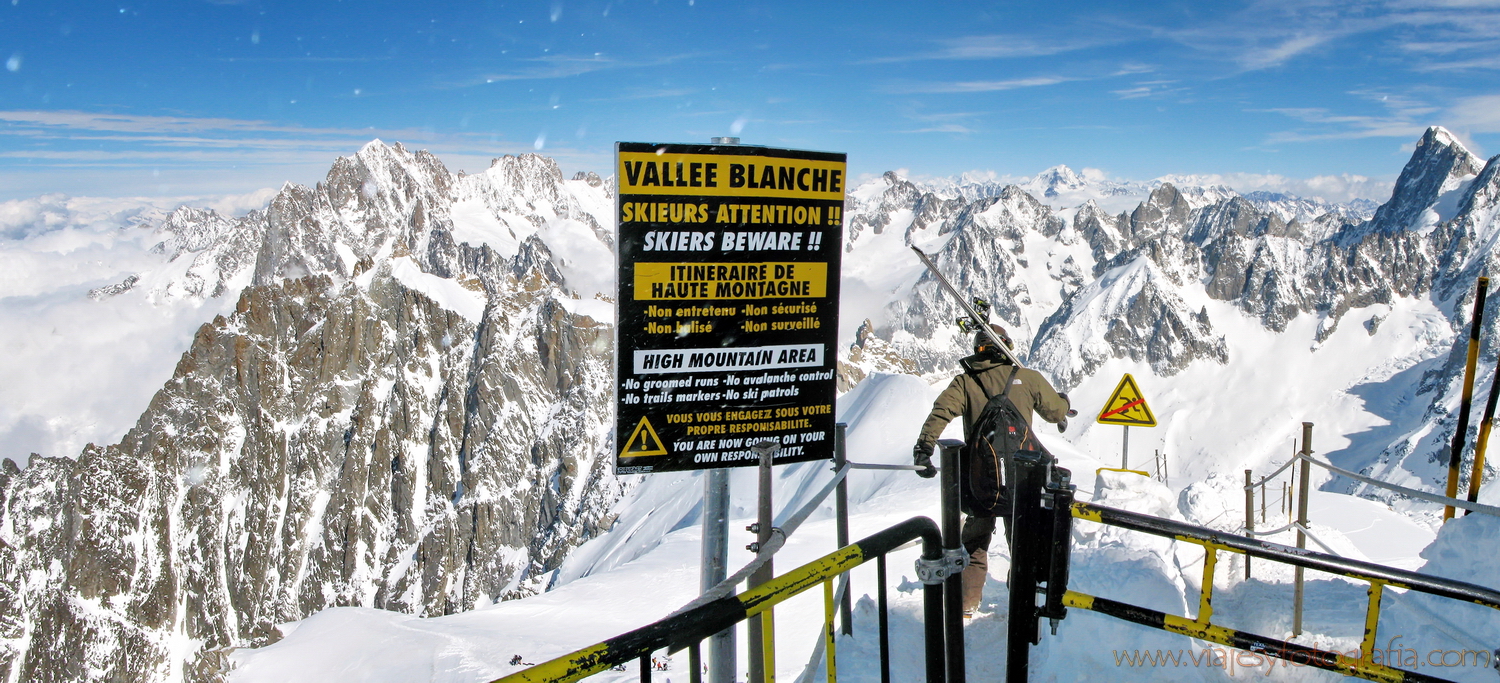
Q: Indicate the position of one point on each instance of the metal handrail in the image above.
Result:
(1201, 627)
(1368, 571)
(687, 629)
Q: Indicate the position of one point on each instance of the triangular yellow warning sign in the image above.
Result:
(1126, 406)
(643, 442)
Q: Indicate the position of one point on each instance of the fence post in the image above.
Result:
(1455, 459)
(953, 586)
(841, 505)
(1302, 523)
(1476, 474)
(1263, 501)
(1249, 515)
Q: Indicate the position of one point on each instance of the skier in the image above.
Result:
(985, 373)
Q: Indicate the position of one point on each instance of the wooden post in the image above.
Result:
(1301, 536)
(1249, 515)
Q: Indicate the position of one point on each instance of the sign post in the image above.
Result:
(1127, 408)
(727, 272)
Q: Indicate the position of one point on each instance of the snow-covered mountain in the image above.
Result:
(385, 417)
(398, 397)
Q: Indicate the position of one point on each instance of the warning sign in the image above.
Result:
(726, 304)
(1126, 406)
(643, 442)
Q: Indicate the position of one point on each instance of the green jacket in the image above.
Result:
(968, 392)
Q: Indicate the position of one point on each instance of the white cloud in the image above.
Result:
(984, 86)
(1003, 46)
(1479, 114)
(1331, 188)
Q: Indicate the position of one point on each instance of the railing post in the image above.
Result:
(953, 586)
(1026, 519)
(760, 631)
(1302, 523)
(1476, 473)
(1460, 434)
(1249, 515)
(841, 506)
(932, 616)
(884, 621)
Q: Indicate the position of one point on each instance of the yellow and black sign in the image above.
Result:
(665, 171)
(727, 295)
(722, 281)
(1126, 406)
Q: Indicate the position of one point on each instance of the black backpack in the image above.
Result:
(1000, 431)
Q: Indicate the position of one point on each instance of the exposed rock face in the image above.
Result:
(1133, 311)
(1438, 166)
(388, 419)
(868, 354)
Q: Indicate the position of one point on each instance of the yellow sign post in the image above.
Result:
(1126, 407)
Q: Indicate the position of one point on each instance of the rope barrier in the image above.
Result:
(1414, 493)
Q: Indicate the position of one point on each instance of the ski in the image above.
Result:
(983, 327)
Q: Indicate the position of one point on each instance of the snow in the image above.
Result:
(475, 224)
(585, 262)
(646, 566)
(448, 293)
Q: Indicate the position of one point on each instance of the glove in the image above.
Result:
(1071, 412)
(1062, 426)
(922, 457)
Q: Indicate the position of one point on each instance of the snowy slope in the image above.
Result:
(619, 594)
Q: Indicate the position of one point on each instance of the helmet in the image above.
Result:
(982, 343)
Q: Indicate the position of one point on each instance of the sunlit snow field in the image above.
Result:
(647, 566)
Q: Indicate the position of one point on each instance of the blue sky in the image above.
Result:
(184, 98)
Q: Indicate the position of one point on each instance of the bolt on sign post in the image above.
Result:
(1126, 407)
(727, 304)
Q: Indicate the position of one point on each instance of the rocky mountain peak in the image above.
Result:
(1053, 181)
(1484, 191)
(1439, 165)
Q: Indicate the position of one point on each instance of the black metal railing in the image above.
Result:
(687, 629)
(1045, 511)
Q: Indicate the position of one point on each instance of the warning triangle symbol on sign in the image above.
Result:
(1126, 406)
(643, 442)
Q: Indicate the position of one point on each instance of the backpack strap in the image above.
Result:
(1004, 386)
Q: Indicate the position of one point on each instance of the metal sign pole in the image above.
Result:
(841, 505)
(761, 631)
(1125, 448)
(721, 652)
